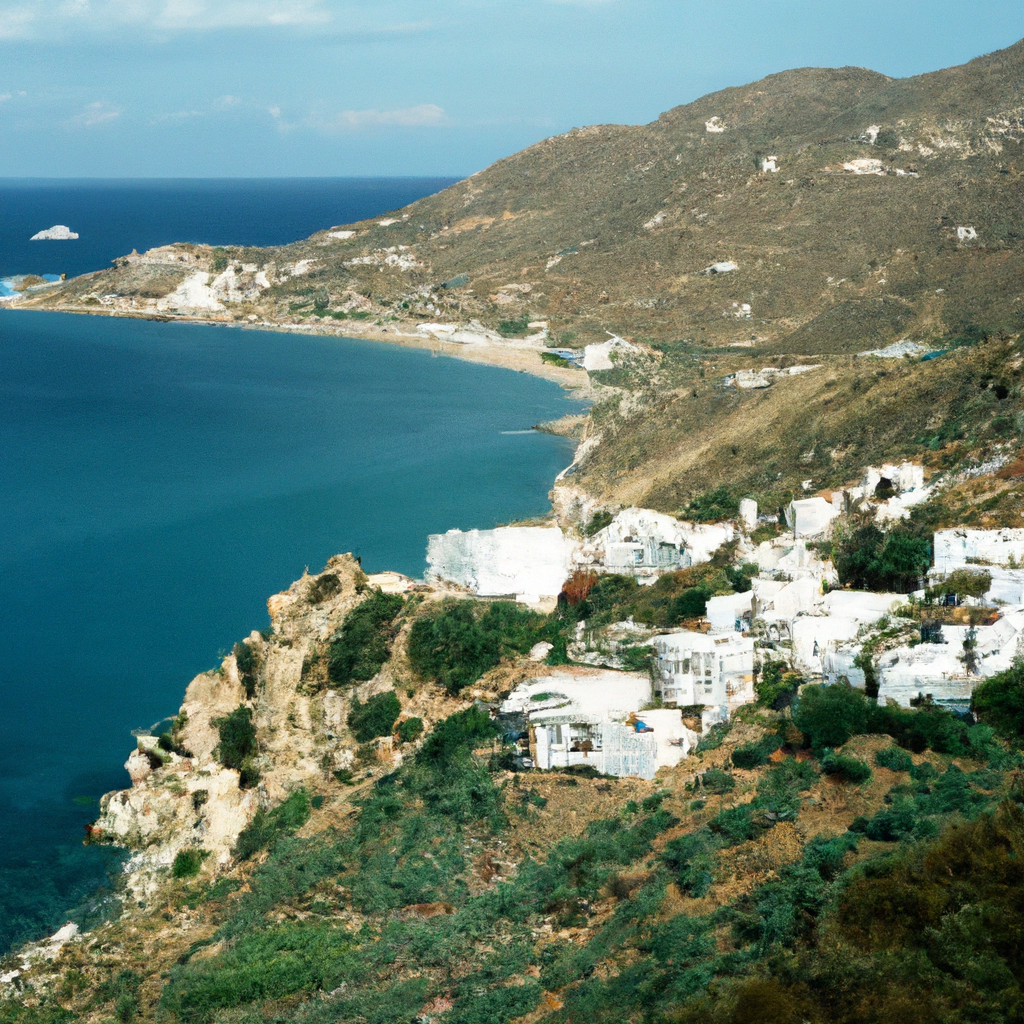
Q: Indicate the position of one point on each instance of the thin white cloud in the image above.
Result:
(95, 114)
(5, 96)
(424, 115)
(226, 102)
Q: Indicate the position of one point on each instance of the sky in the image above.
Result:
(254, 88)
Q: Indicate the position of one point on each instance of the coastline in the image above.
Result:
(510, 355)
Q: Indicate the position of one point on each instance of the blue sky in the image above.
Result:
(339, 87)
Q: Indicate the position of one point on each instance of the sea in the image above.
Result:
(158, 481)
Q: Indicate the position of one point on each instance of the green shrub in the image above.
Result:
(266, 828)
(894, 759)
(364, 643)
(187, 863)
(999, 703)
(872, 560)
(774, 686)
(456, 735)
(374, 718)
(598, 521)
(514, 328)
(712, 506)
(714, 737)
(457, 643)
(237, 746)
(410, 730)
(247, 662)
(752, 755)
(830, 715)
(849, 769)
(714, 780)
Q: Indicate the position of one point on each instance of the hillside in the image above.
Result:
(825, 860)
(858, 211)
(336, 830)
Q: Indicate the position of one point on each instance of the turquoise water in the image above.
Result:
(157, 483)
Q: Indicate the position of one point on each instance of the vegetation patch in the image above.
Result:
(357, 653)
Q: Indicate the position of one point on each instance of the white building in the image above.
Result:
(643, 542)
(700, 668)
(592, 717)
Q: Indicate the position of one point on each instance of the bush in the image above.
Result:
(753, 755)
(714, 780)
(999, 702)
(456, 735)
(830, 715)
(364, 643)
(849, 769)
(374, 718)
(871, 560)
(410, 730)
(598, 521)
(187, 863)
(514, 328)
(712, 506)
(266, 828)
(237, 746)
(894, 759)
(247, 661)
(459, 642)
(774, 686)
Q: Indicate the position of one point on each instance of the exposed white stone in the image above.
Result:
(770, 165)
(749, 380)
(730, 612)
(723, 267)
(864, 165)
(967, 234)
(897, 350)
(592, 717)
(748, 513)
(341, 235)
(58, 233)
(810, 517)
(955, 549)
(599, 356)
(193, 293)
(527, 562)
(646, 542)
(714, 126)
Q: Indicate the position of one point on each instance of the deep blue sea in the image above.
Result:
(159, 481)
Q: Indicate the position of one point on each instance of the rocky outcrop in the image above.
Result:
(185, 797)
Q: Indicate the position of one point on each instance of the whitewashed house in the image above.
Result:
(593, 717)
(701, 668)
(642, 542)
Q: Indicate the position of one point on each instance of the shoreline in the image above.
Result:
(511, 356)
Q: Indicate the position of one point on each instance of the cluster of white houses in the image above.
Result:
(625, 723)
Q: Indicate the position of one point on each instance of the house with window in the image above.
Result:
(703, 668)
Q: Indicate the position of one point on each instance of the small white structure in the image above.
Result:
(956, 549)
(770, 165)
(810, 517)
(592, 717)
(700, 668)
(722, 267)
(967, 234)
(895, 490)
(730, 613)
(525, 562)
(938, 670)
(864, 165)
(644, 542)
(599, 357)
(58, 233)
(748, 513)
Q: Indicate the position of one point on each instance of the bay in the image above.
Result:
(157, 483)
